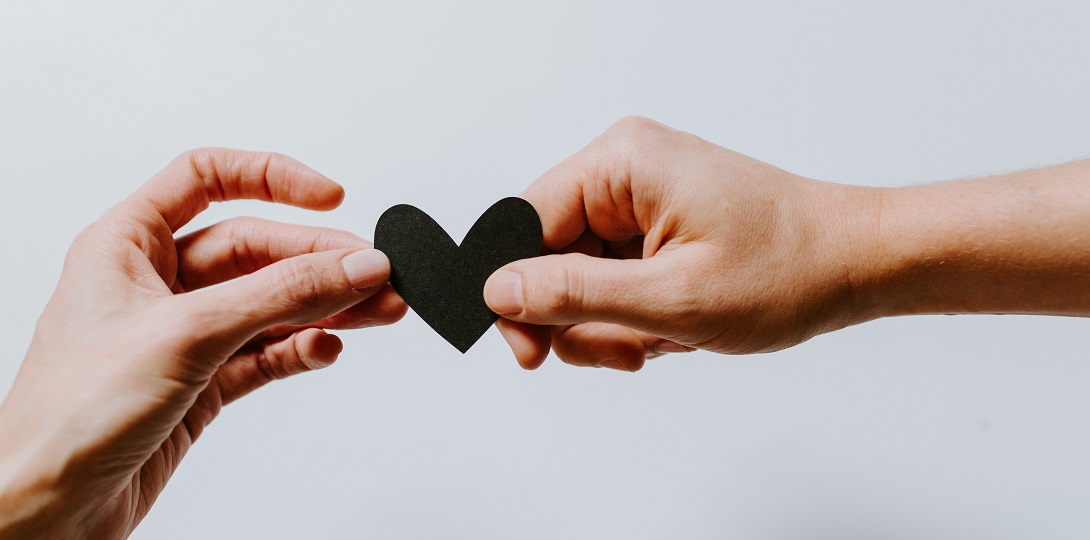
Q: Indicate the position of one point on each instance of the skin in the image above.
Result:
(658, 242)
(663, 242)
(134, 356)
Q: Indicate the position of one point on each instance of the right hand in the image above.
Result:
(148, 335)
(664, 242)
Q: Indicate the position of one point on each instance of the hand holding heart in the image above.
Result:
(663, 242)
(442, 281)
(125, 371)
(657, 241)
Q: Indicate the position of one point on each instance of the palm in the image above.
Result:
(123, 511)
(136, 353)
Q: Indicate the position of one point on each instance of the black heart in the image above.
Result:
(444, 282)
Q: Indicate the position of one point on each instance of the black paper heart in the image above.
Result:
(444, 282)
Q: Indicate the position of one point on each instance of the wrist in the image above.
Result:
(1010, 243)
(912, 259)
(30, 495)
(30, 511)
(845, 239)
(914, 247)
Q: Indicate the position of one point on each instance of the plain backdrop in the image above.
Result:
(923, 427)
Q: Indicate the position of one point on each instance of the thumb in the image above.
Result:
(576, 288)
(297, 291)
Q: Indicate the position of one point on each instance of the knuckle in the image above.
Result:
(112, 232)
(634, 131)
(270, 365)
(245, 222)
(275, 160)
(301, 285)
(192, 155)
(200, 160)
(264, 367)
(197, 153)
(260, 166)
(561, 292)
(630, 144)
(241, 238)
(261, 162)
(634, 124)
(83, 241)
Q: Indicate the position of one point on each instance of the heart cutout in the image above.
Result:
(444, 282)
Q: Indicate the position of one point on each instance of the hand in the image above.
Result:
(664, 242)
(134, 354)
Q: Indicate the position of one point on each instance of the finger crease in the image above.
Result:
(264, 366)
(265, 180)
(213, 187)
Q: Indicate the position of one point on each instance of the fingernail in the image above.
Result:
(366, 269)
(614, 363)
(666, 346)
(503, 292)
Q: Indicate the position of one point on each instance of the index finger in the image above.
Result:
(198, 178)
(594, 189)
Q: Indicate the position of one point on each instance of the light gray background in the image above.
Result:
(926, 427)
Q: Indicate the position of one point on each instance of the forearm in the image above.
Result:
(32, 518)
(1011, 243)
(32, 503)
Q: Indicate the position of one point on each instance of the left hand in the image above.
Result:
(134, 355)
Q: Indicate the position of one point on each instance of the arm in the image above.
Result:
(663, 242)
(1010, 243)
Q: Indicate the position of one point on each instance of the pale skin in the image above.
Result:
(660, 242)
(134, 356)
(665, 242)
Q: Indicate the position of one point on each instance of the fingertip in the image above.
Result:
(390, 307)
(634, 362)
(532, 362)
(328, 347)
(293, 182)
(366, 269)
(529, 343)
(325, 195)
(336, 195)
(628, 359)
(317, 349)
(599, 345)
(503, 292)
